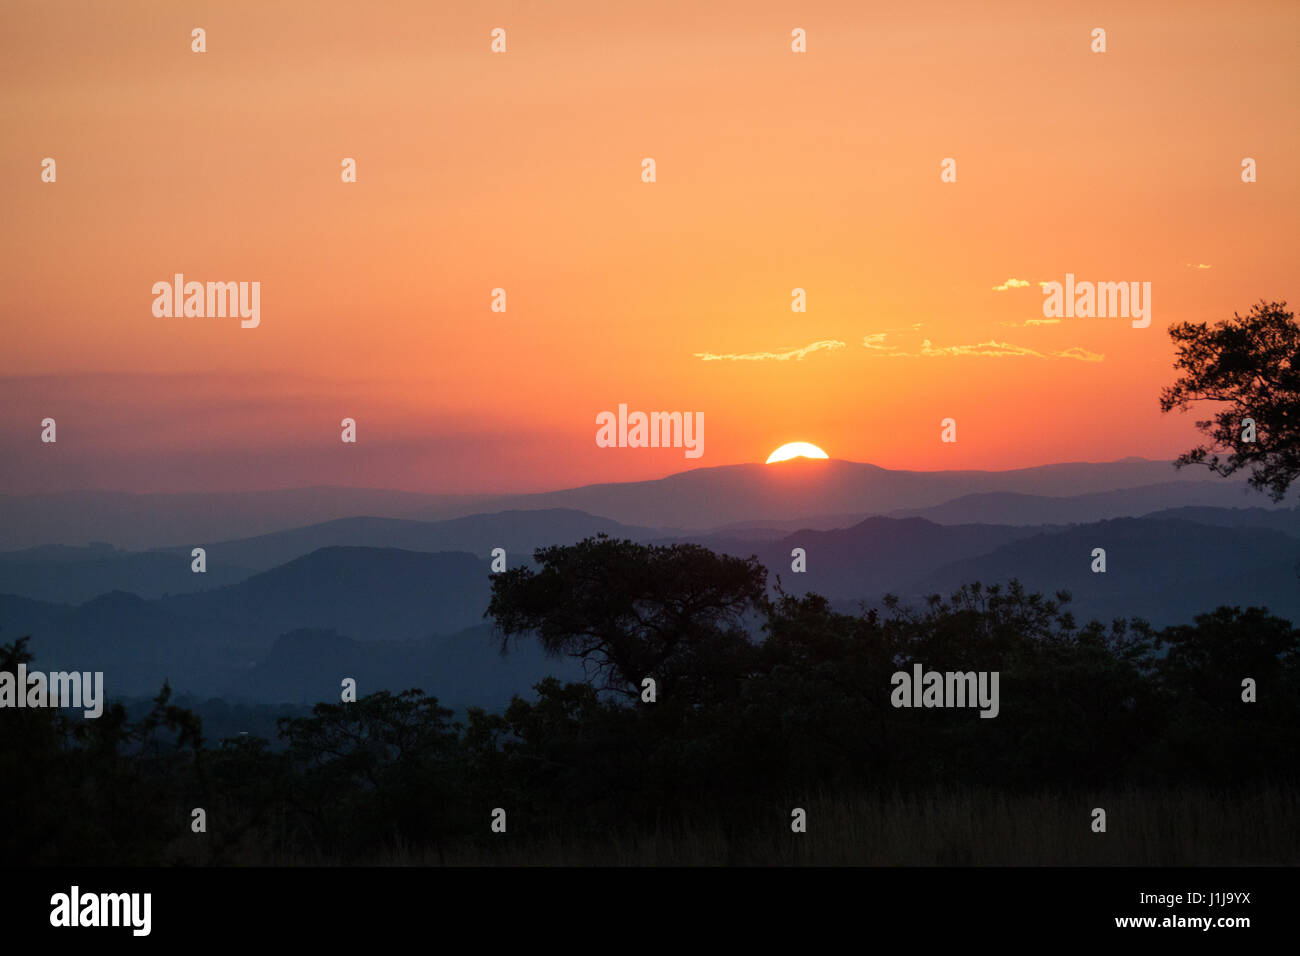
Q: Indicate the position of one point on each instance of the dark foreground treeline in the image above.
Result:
(1150, 726)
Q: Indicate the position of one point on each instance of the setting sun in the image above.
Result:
(796, 449)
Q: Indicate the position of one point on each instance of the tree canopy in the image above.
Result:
(1247, 364)
(631, 611)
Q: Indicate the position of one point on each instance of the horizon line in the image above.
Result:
(806, 462)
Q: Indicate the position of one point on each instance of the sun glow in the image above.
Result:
(796, 449)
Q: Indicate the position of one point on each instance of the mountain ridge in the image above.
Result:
(697, 499)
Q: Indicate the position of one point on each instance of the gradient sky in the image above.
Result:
(522, 170)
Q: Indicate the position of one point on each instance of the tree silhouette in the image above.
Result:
(94, 790)
(1250, 363)
(632, 611)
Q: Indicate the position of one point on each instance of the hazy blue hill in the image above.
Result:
(700, 498)
(73, 575)
(1165, 570)
(136, 643)
(1004, 507)
(1286, 520)
(462, 669)
(710, 497)
(872, 556)
(187, 520)
(207, 642)
(519, 532)
(54, 554)
(117, 627)
(22, 616)
(402, 618)
(370, 594)
(780, 527)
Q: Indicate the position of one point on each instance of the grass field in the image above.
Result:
(975, 828)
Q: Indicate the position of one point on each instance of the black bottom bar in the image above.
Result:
(612, 907)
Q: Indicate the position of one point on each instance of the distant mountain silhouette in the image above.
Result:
(136, 643)
(139, 521)
(519, 532)
(709, 497)
(71, 575)
(1164, 570)
(871, 557)
(699, 499)
(462, 670)
(771, 529)
(1286, 520)
(1004, 507)
(370, 594)
(404, 618)
(209, 642)
(1157, 567)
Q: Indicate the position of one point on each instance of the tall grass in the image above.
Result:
(1144, 827)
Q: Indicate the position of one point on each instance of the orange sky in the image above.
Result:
(775, 170)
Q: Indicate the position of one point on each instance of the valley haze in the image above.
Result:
(391, 587)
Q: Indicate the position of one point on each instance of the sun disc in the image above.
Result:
(796, 449)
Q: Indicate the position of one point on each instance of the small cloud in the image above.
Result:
(783, 356)
(876, 340)
(995, 349)
(1030, 322)
(1042, 284)
(1198, 265)
(1012, 284)
(990, 348)
(1082, 354)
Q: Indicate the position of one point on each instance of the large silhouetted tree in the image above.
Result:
(1251, 365)
(631, 611)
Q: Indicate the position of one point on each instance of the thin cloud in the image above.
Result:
(1082, 354)
(1198, 265)
(1030, 322)
(783, 356)
(992, 348)
(876, 340)
(995, 349)
(1012, 284)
